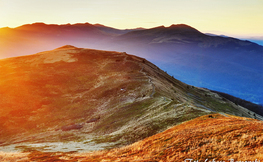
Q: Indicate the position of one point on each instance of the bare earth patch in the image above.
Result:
(54, 56)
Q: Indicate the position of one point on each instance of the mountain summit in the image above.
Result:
(161, 33)
(183, 28)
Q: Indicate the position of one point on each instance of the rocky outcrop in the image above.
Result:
(93, 120)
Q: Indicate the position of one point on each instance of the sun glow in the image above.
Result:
(239, 17)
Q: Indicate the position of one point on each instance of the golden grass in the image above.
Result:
(13, 157)
(207, 137)
(216, 137)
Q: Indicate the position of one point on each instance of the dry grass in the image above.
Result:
(215, 137)
(207, 137)
(13, 157)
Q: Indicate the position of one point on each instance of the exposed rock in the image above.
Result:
(93, 120)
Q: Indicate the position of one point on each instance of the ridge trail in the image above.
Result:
(141, 71)
(150, 81)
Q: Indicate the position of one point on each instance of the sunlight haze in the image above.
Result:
(229, 17)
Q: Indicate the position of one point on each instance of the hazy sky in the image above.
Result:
(231, 17)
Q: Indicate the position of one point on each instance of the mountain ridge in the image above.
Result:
(176, 27)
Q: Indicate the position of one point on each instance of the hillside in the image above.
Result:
(85, 99)
(208, 138)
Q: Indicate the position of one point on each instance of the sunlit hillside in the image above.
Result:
(211, 137)
(78, 100)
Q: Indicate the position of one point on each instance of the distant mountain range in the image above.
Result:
(220, 63)
(258, 40)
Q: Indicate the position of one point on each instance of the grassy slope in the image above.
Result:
(207, 137)
(133, 98)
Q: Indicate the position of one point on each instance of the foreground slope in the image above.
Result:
(208, 138)
(87, 96)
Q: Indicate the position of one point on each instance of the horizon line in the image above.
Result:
(215, 32)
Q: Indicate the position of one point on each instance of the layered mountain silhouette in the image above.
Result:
(220, 63)
(85, 99)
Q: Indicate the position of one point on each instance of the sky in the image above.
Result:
(228, 17)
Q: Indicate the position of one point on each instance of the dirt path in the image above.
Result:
(150, 81)
(141, 71)
(125, 58)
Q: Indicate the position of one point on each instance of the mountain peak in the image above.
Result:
(35, 26)
(183, 28)
(41, 25)
(99, 25)
(83, 24)
(67, 47)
